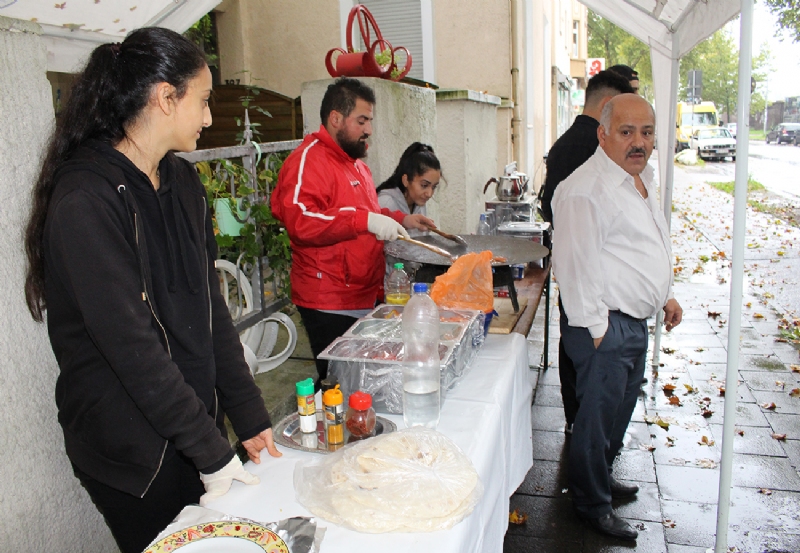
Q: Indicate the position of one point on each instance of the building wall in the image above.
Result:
(44, 507)
(473, 49)
(280, 43)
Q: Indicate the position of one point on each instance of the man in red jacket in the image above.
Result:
(326, 199)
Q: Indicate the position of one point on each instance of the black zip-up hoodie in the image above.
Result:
(148, 354)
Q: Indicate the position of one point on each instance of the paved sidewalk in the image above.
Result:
(673, 449)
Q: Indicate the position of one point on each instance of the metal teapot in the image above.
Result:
(510, 187)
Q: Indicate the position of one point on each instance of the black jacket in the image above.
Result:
(149, 361)
(570, 151)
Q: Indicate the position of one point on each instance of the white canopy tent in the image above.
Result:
(671, 28)
(73, 28)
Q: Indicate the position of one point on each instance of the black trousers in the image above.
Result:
(608, 385)
(568, 377)
(134, 521)
(323, 328)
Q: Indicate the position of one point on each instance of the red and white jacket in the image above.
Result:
(323, 198)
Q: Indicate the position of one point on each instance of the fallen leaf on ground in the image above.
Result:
(758, 316)
(780, 384)
(515, 517)
(690, 389)
(714, 314)
(765, 491)
(668, 388)
(675, 400)
(779, 437)
(706, 412)
(795, 368)
(705, 441)
(668, 523)
(647, 447)
(706, 463)
(740, 431)
(668, 351)
(663, 423)
(795, 392)
(671, 442)
(769, 406)
(722, 390)
(749, 304)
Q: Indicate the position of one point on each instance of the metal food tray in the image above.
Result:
(386, 311)
(392, 329)
(287, 433)
(369, 359)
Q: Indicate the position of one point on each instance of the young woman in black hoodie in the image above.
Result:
(121, 255)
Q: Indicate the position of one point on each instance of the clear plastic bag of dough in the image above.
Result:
(413, 480)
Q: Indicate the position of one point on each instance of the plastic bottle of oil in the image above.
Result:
(398, 286)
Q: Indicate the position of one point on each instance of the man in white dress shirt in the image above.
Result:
(613, 262)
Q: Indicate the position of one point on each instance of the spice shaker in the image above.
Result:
(306, 406)
(333, 401)
(360, 418)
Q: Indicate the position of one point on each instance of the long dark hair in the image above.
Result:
(105, 100)
(417, 159)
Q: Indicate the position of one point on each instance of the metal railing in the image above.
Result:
(250, 154)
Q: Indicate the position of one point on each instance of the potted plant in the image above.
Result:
(243, 223)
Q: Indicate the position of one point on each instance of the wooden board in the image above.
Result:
(504, 323)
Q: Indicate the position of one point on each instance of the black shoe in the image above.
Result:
(612, 525)
(620, 490)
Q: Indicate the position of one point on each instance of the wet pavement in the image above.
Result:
(674, 441)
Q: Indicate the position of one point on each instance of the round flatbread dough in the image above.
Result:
(413, 480)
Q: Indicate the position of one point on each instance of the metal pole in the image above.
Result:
(666, 187)
(737, 274)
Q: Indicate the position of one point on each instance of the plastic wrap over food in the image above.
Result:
(193, 524)
(369, 356)
(376, 367)
(413, 480)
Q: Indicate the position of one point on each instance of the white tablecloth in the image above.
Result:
(488, 414)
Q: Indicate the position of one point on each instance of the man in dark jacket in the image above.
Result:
(568, 153)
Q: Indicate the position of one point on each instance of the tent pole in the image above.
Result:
(665, 155)
(737, 273)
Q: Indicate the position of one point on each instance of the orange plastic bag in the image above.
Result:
(467, 284)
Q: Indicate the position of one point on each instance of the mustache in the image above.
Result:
(633, 151)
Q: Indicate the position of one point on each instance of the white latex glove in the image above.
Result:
(218, 483)
(385, 228)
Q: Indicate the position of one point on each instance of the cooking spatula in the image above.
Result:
(434, 249)
(449, 236)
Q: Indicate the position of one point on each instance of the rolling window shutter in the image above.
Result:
(400, 22)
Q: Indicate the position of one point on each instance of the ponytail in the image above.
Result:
(105, 100)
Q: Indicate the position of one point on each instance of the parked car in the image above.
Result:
(783, 133)
(732, 129)
(713, 144)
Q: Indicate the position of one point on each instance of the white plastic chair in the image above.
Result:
(259, 340)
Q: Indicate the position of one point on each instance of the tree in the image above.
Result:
(608, 41)
(788, 14)
(718, 58)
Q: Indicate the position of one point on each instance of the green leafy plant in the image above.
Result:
(383, 58)
(261, 234)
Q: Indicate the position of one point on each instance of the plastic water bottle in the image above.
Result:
(484, 229)
(398, 287)
(421, 377)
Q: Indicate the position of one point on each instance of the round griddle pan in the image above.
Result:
(514, 250)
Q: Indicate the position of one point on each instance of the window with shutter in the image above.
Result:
(400, 22)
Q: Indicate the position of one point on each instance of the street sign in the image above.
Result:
(595, 65)
(695, 86)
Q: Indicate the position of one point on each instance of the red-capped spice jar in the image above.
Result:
(360, 417)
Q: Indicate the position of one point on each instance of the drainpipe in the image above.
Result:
(515, 117)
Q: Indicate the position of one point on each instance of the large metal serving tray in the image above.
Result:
(369, 357)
